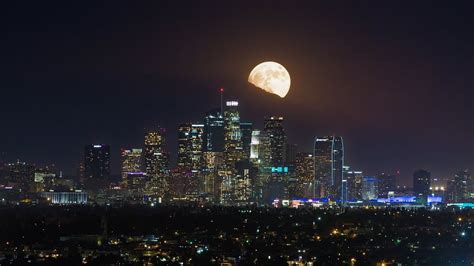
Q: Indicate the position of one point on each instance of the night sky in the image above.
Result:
(395, 80)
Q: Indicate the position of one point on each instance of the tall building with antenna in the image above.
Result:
(213, 146)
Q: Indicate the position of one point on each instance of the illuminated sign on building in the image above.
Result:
(434, 199)
(232, 103)
(318, 139)
(280, 169)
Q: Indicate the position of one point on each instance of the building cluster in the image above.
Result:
(226, 160)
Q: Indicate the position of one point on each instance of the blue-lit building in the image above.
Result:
(369, 188)
(76, 197)
(344, 191)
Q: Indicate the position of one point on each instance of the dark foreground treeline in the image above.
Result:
(255, 234)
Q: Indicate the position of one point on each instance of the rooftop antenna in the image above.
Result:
(221, 90)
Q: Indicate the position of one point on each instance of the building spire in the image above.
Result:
(221, 91)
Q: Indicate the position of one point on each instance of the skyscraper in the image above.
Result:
(291, 150)
(196, 142)
(213, 151)
(277, 185)
(260, 157)
(233, 149)
(354, 184)
(190, 162)
(274, 181)
(275, 133)
(21, 174)
(259, 148)
(421, 183)
(131, 162)
(459, 187)
(184, 146)
(386, 184)
(97, 161)
(244, 182)
(190, 144)
(156, 159)
(369, 187)
(328, 166)
(212, 163)
(305, 175)
(213, 138)
(246, 129)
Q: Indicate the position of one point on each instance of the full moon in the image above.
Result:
(271, 77)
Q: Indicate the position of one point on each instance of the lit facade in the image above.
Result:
(460, 187)
(66, 198)
(244, 182)
(196, 142)
(190, 144)
(184, 147)
(305, 175)
(45, 178)
(21, 174)
(136, 181)
(369, 188)
(155, 157)
(233, 149)
(273, 127)
(259, 148)
(156, 161)
(131, 161)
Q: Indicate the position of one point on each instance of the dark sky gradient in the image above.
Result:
(395, 80)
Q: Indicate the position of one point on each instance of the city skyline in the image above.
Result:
(396, 90)
(173, 150)
(237, 133)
